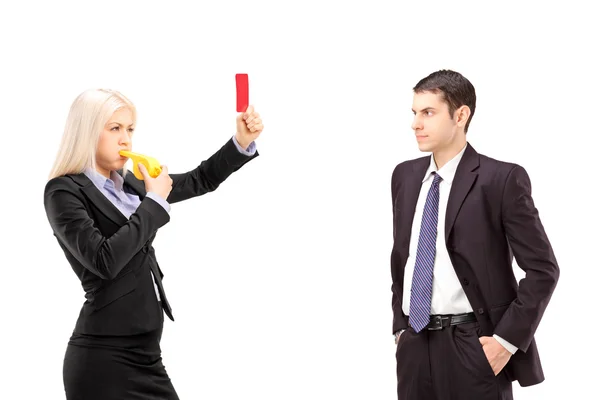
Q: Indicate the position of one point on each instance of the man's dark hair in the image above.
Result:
(456, 90)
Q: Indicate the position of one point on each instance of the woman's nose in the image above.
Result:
(125, 139)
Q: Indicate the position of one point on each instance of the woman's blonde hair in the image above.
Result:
(87, 117)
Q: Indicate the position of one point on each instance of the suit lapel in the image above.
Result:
(466, 174)
(105, 205)
(138, 186)
(97, 197)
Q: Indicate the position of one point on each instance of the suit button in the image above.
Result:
(480, 311)
(145, 248)
(466, 281)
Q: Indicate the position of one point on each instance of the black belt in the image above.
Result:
(438, 322)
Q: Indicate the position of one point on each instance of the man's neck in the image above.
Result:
(442, 156)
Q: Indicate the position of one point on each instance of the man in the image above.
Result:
(464, 327)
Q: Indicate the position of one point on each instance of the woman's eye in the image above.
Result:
(114, 128)
(131, 130)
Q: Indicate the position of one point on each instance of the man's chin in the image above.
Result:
(425, 147)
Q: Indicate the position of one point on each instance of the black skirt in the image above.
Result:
(116, 367)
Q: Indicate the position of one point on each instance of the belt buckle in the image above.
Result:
(437, 323)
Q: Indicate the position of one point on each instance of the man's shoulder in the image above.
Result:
(500, 167)
(408, 166)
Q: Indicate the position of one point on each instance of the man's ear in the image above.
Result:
(461, 116)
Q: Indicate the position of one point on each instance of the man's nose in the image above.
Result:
(416, 124)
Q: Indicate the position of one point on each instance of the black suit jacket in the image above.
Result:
(113, 255)
(490, 218)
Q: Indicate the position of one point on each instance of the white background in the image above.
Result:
(280, 280)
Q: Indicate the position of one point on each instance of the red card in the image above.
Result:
(241, 84)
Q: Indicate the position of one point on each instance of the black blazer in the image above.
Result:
(490, 218)
(113, 256)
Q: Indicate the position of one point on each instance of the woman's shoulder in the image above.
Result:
(69, 182)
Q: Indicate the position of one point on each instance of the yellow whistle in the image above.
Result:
(151, 164)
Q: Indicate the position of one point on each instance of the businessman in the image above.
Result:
(464, 328)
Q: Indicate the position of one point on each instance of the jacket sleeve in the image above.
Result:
(74, 228)
(399, 321)
(533, 253)
(209, 174)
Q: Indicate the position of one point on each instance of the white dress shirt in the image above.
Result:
(448, 296)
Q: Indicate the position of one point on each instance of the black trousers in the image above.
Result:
(116, 368)
(447, 364)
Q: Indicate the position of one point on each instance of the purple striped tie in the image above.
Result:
(420, 294)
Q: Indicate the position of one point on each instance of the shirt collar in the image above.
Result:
(115, 181)
(448, 171)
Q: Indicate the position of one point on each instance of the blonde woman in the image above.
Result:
(105, 220)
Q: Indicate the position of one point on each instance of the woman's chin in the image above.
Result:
(120, 164)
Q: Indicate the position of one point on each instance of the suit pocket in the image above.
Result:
(115, 290)
(485, 364)
(470, 351)
(497, 312)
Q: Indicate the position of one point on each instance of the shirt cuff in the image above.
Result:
(159, 200)
(506, 345)
(249, 151)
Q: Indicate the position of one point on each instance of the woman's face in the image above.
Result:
(115, 136)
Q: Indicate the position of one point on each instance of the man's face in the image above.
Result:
(434, 128)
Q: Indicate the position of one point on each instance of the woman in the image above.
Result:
(105, 220)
